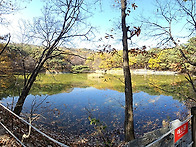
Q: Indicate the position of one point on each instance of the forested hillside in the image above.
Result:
(155, 58)
(19, 58)
(22, 57)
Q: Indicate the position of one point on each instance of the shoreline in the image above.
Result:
(137, 72)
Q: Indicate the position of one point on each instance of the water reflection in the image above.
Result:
(151, 110)
(69, 112)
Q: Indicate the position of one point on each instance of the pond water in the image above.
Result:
(67, 101)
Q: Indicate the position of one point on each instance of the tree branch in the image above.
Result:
(6, 44)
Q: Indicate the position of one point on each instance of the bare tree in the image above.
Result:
(127, 34)
(7, 7)
(169, 15)
(60, 22)
(160, 26)
(188, 8)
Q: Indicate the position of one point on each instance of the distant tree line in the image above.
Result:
(83, 60)
(18, 58)
(157, 59)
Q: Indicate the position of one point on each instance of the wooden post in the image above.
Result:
(193, 125)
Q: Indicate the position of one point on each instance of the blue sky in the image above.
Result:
(105, 17)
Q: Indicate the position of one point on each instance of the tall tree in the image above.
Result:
(60, 22)
(128, 124)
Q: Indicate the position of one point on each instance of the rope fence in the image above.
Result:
(25, 122)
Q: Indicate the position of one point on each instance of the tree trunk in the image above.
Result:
(128, 124)
(27, 88)
(70, 16)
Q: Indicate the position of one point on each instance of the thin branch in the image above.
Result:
(6, 44)
(190, 80)
(185, 57)
(64, 53)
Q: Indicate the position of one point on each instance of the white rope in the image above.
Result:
(190, 145)
(160, 138)
(167, 133)
(12, 134)
(55, 141)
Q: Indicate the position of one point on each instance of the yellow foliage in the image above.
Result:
(132, 60)
(154, 63)
(5, 62)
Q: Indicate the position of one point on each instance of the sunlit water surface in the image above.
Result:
(67, 103)
(70, 112)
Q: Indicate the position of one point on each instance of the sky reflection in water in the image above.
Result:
(70, 111)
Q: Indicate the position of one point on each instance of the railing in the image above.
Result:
(180, 134)
(24, 121)
(166, 134)
(18, 140)
(193, 116)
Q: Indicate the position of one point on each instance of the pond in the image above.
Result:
(67, 103)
